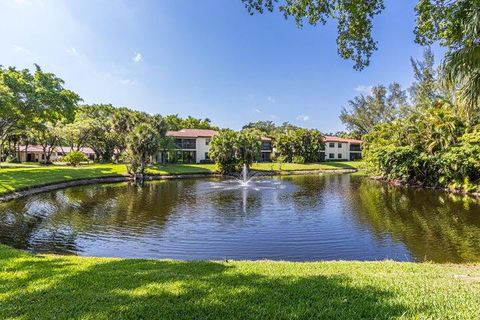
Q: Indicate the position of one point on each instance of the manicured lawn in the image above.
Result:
(330, 165)
(61, 287)
(17, 178)
(181, 169)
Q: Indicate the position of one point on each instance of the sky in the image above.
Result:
(205, 58)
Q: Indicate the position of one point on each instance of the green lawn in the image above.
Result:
(181, 169)
(17, 178)
(66, 287)
(20, 176)
(330, 165)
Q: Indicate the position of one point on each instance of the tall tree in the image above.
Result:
(18, 103)
(176, 123)
(382, 105)
(424, 89)
(266, 127)
(456, 26)
(143, 143)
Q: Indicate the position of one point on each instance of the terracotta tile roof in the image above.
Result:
(266, 139)
(38, 148)
(337, 139)
(192, 133)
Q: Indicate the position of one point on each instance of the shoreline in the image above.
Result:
(41, 188)
(397, 183)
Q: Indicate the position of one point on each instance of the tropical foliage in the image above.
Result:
(74, 158)
(299, 146)
(230, 150)
(434, 147)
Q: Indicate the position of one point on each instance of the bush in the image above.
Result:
(298, 159)
(74, 158)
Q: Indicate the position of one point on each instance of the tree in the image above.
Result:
(166, 145)
(48, 135)
(455, 25)
(382, 105)
(18, 104)
(248, 146)
(176, 123)
(122, 122)
(296, 144)
(266, 127)
(424, 90)
(230, 150)
(223, 150)
(95, 128)
(143, 143)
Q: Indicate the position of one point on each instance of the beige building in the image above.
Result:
(192, 146)
(34, 153)
(342, 149)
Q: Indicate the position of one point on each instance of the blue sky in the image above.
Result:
(205, 58)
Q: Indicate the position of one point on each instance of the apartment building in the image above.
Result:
(342, 149)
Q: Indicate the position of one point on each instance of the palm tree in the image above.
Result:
(461, 66)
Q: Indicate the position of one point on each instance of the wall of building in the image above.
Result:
(202, 148)
(35, 156)
(343, 150)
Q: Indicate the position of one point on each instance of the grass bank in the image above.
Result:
(66, 287)
(329, 165)
(16, 177)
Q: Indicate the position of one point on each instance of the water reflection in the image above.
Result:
(291, 218)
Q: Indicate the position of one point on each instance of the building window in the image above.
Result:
(355, 147)
(355, 156)
(331, 156)
(331, 144)
(186, 143)
(267, 145)
(339, 156)
(206, 156)
(339, 144)
(207, 142)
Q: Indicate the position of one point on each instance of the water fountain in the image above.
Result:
(247, 180)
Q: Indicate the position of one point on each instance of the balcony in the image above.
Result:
(190, 144)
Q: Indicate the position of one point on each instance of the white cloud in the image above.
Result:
(270, 99)
(364, 89)
(257, 110)
(19, 49)
(137, 57)
(129, 82)
(303, 117)
(72, 51)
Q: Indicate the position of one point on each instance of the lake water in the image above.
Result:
(300, 218)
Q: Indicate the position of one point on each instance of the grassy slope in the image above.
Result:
(330, 165)
(46, 287)
(17, 177)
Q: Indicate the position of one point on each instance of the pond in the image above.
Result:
(298, 218)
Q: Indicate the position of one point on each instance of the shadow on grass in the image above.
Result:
(341, 165)
(144, 289)
(180, 169)
(19, 179)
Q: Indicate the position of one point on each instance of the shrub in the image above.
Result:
(298, 159)
(74, 158)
